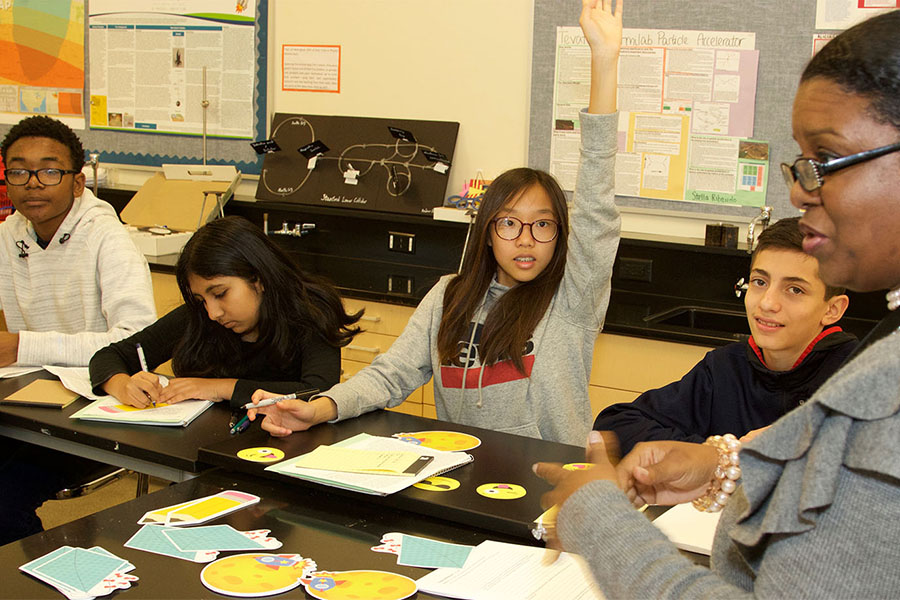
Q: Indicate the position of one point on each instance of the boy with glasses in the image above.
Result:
(71, 282)
(71, 279)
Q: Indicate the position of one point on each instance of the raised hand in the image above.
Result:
(603, 31)
(602, 27)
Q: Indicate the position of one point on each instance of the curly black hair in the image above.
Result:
(865, 60)
(45, 127)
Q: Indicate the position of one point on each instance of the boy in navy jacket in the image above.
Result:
(744, 387)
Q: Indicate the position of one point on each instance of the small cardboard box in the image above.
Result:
(170, 206)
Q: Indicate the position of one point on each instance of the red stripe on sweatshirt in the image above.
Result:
(501, 372)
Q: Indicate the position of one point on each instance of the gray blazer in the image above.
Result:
(817, 516)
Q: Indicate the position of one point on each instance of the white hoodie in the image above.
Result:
(89, 288)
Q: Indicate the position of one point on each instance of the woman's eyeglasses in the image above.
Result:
(44, 176)
(811, 173)
(510, 228)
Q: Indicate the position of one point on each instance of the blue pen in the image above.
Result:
(241, 425)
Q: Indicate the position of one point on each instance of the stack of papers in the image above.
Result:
(688, 528)
(369, 482)
(16, 371)
(77, 379)
(82, 573)
(498, 571)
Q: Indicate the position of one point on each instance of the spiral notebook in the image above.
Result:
(375, 484)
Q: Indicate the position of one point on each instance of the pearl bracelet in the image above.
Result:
(728, 471)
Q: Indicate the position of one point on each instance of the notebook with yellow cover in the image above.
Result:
(42, 392)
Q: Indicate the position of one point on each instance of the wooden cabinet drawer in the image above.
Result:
(379, 317)
(366, 346)
(349, 368)
(408, 408)
(601, 397)
(639, 364)
(428, 393)
(165, 292)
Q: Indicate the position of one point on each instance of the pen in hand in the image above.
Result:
(143, 361)
(303, 395)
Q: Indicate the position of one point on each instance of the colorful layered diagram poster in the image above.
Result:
(42, 71)
(148, 59)
(686, 104)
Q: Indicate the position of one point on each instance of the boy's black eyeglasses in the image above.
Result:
(811, 173)
(510, 228)
(44, 176)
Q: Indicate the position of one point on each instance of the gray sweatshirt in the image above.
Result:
(817, 516)
(550, 400)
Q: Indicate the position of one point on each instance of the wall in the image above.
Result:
(467, 61)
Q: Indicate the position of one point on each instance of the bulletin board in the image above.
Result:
(784, 33)
(155, 149)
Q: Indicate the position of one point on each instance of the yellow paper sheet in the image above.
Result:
(350, 460)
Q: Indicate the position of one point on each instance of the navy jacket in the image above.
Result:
(730, 391)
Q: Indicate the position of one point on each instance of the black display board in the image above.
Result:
(397, 162)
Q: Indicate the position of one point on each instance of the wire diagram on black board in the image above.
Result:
(390, 165)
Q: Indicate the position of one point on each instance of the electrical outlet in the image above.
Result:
(400, 284)
(402, 242)
(635, 269)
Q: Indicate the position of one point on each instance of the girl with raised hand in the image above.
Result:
(509, 341)
(251, 319)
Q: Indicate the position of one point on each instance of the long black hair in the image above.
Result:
(295, 307)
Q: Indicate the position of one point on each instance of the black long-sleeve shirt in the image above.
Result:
(317, 365)
(730, 391)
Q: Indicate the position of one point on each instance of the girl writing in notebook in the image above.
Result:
(509, 341)
(250, 319)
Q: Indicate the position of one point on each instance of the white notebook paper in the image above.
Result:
(688, 528)
(498, 571)
(380, 485)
